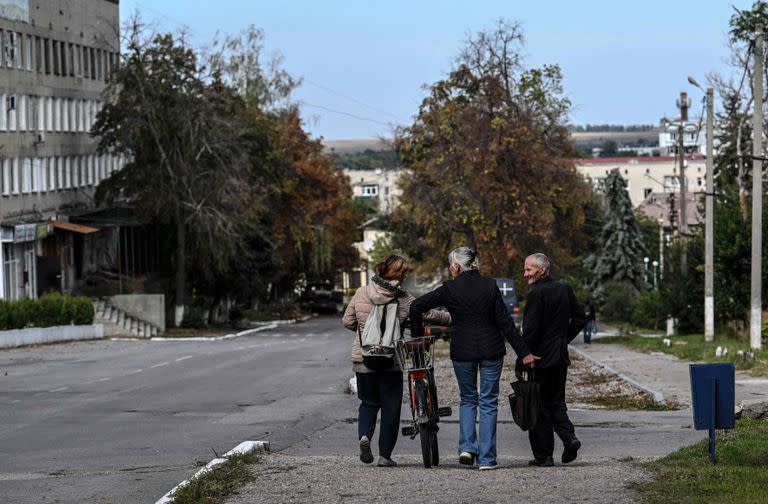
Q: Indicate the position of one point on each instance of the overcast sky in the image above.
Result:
(364, 63)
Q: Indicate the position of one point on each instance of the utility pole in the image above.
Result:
(709, 227)
(683, 104)
(756, 304)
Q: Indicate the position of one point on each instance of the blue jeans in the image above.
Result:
(589, 328)
(488, 400)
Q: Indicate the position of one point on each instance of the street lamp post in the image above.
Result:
(709, 291)
(645, 269)
(655, 266)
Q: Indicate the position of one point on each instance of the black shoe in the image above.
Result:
(545, 462)
(571, 450)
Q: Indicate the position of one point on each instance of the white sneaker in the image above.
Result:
(466, 458)
(490, 467)
(365, 450)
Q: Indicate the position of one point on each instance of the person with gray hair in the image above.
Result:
(551, 320)
(481, 323)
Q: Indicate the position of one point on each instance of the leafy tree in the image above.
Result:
(489, 159)
(621, 256)
(173, 121)
(609, 149)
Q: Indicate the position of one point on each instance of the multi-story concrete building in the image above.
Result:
(646, 175)
(55, 58)
(379, 186)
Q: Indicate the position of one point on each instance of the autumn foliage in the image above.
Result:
(490, 164)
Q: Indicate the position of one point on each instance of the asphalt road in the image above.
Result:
(125, 421)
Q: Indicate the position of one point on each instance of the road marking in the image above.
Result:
(60, 389)
(184, 358)
(159, 365)
(103, 379)
(135, 371)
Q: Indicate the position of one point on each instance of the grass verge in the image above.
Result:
(223, 480)
(740, 474)
(694, 348)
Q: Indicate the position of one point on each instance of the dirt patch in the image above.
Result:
(588, 386)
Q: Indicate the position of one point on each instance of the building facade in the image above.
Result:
(55, 59)
(378, 186)
(646, 175)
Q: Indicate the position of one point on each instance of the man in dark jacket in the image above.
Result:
(552, 319)
(481, 323)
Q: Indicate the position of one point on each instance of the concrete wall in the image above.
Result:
(147, 307)
(40, 335)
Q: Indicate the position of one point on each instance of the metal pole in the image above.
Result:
(681, 152)
(709, 291)
(757, 195)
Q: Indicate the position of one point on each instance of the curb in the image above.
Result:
(263, 326)
(657, 396)
(243, 448)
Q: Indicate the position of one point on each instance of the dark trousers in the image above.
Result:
(380, 391)
(553, 418)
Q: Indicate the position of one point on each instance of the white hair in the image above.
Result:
(542, 261)
(465, 258)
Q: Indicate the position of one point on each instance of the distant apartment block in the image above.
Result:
(55, 58)
(378, 187)
(646, 175)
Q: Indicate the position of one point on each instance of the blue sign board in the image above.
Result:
(713, 394)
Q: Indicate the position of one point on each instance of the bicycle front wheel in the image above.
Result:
(426, 435)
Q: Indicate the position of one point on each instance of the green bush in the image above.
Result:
(648, 311)
(193, 317)
(52, 309)
(82, 311)
(4, 314)
(618, 300)
(19, 315)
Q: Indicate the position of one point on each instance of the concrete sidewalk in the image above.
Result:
(324, 467)
(662, 372)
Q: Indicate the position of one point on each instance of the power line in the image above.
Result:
(341, 112)
(355, 100)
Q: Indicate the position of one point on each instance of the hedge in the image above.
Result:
(52, 309)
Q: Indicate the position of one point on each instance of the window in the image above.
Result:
(10, 107)
(37, 175)
(86, 68)
(12, 50)
(29, 53)
(647, 192)
(370, 190)
(26, 176)
(3, 113)
(51, 174)
(6, 176)
(699, 181)
(671, 181)
(22, 112)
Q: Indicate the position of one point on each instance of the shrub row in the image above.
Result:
(52, 309)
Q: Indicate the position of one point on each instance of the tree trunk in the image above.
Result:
(181, 238)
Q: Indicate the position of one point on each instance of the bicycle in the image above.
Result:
(416, 357)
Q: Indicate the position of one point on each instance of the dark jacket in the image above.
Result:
(551, 320)
(479, 317)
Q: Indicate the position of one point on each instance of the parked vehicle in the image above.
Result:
(321, 298)
(511, 300)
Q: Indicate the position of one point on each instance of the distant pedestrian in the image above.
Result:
(380, 390)
(590, 327)
(481, 323)
(552, 319)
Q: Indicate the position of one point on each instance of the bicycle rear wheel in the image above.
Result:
(425, 429)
